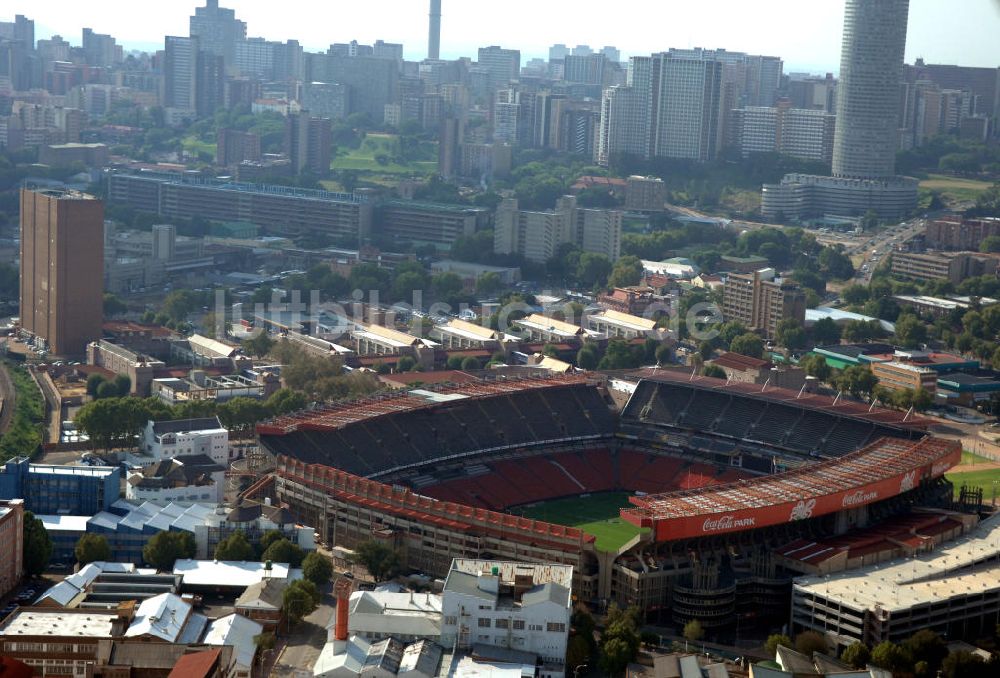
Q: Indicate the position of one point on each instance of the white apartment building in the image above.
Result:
(182, 480)
(169, 439)
(511, 605)
(536, 235)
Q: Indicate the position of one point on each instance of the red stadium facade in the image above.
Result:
(881, 471)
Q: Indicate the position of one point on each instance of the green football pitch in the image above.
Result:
(596, 514)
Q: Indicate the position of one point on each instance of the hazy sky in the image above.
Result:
(805, 33)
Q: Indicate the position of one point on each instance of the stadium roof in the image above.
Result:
(882, 470)
(338, 415)
(822, 403)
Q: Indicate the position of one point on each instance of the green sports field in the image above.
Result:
(596, 514)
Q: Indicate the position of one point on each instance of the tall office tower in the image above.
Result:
(210, 83)
(62, 268)
(611, 53)
(327, 99)
(100, 50)
(218, 30)
(558, 52)
(686, 107)
(434, 32)
(373, 82)
(502, 65)
(588, 70)
(449, 147)
(21, 29)
(871, 63)
(180, 73)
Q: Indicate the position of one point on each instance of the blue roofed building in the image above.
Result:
(65, 490)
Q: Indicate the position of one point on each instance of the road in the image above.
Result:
(301, 648)
(7, 397)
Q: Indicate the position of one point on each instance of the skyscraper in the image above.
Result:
(218, 30)
(866, 138)
(62, 268)
(871, 63)
(180, 73)
(434, 32)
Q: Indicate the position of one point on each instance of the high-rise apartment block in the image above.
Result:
(62, 268)
(308, 143)
(234, 147)
(866, 137)
(11, 545)
(645, 194)
(955, 233)
(761, 302)
(100, 50)
(798, 132)
(501, 65)
(537, 235)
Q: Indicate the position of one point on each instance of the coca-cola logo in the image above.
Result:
(728, 522)
(858, 497)
(940, 467)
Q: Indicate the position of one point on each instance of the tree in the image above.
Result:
(825, 332)
(963, 664)
(235, 547)
(106, 389)
(37, 547)
(856, 294)
(586, 358)
(488, 284)
(617, 356)
(301, 598)
(94, 382)
(791, 334)
(816, 366)
(455, 362)
(381, 561)
(258, 345)
(284, 551)
(809, 642)
(91, 548)
(910, 331)
(447, 285)
(269, 538)
(926, 646)
(165, 547)
(626, 272)
(577, 652)
(774, 640)
(713, 371)
(748, 344)
(857, 380)
(664, 354)
(113, 306)
(405, 364)
(887, 655)
(922, 400)
(123, 385)
(593, 269)
(620, 641)
(286, 400)
(869, 222)
(317, 568)
(990, 244)
(470, 363)
(693, 631)
(856, 655)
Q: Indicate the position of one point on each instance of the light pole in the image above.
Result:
(576, 671)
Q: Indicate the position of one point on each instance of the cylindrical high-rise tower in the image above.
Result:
(434, 35)
(871, 64)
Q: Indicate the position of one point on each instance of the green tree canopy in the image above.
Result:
(856, 655)
(381, 561)
(284, 551)
(235, 547)
(301, 598)
(911, 332)
(713, 371)
(593, 269)
(776, 639)
(37, 549)
(809, 642)
(693, 631)
(165, 547)
(317, 568)
(748, 344)
(91, 548)
(626, 272)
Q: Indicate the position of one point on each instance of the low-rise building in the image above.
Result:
(425, 223)
(537, 327)
(138, 367)
(184, 479)
(59, 642)
(621, 325)
(757, 371)
(470, 272)
(185, 437)
(406, 616)
(520, 606)
(951, 266)
(941, 306)
(956, 233)
(263, 602)
(460, 334)
(900, 375)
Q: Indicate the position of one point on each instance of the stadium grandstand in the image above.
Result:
(713, 479)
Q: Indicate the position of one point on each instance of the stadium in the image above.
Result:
(680, 501)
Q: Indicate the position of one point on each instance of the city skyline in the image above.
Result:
(749, 28)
